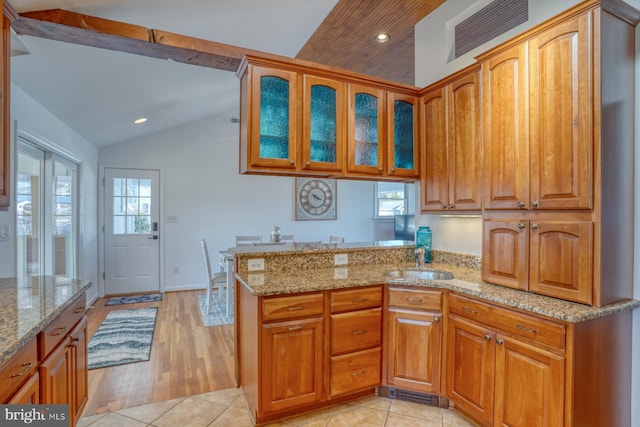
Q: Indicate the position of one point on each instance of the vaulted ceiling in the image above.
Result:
(71, 60)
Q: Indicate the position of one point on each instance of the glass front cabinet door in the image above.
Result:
(323, 124)
(366, 130)
(402, 150)
(273, 119)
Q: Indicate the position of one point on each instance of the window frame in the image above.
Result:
(409, 201)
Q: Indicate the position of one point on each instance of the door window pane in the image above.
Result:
(64, 217)
(131, 214)
(29, 216)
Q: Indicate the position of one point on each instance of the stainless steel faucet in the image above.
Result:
(419, 254)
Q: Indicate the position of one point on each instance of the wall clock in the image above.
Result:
(315, 198)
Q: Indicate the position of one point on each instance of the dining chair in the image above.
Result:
(248, 239)
(286, 238)
(336, 239)
(215, 280)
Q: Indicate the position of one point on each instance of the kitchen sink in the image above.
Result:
(418, 274)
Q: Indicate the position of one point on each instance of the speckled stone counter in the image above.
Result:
(294, 271)
(31, 303)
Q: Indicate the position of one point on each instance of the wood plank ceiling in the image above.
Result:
(345, 39)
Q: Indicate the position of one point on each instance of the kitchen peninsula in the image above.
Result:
(43, 345)
(311, 333)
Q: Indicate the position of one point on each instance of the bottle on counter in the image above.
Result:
(423, 239)
(275, 234)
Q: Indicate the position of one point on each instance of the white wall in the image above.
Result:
(203, 188)
(433, 47)
(30, 116)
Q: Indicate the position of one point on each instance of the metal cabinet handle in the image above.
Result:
(468, 310)
(534, 204)
(487, 337)
(392, 170)
(524, 328)
(298, 308)
(308, 164)
(452, 206)
(356, 373)
(74, 342)
(521, 226)
(61, 330)
(436, 319)
(499, 341)
(294, 328)
(413, 300)
(521, 204)
(534, 226)
(443, 206)
(356, 300)
(27, 366)
(293, 162)
(359, 332)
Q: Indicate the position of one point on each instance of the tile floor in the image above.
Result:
(227, 408)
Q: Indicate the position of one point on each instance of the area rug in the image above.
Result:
(132, 299)
(218, 315)
(125, 336)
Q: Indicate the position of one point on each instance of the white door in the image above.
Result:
(132, 249)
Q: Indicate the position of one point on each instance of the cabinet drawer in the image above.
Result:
(51, 336)
(415, 299)
(355, 371)
(18, 369)
(356, 330)
(292, 307)
(533, 328)
(356, 299)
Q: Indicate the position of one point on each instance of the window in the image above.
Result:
(394, 198)
(46, 217)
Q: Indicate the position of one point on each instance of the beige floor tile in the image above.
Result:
(85, 421)
(239, 404)
(416, 410)
(350, 416)
(190, 412)
(222, 397)
(397, 420)
(373, 402)
(152, 411)
(318, 418)
(112, 419)
(451, 418)
(233, 418)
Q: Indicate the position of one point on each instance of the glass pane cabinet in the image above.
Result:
(273, 118)
(402, 155)
(366, 135)
(323, 120)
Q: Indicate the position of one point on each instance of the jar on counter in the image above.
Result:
(423, 239)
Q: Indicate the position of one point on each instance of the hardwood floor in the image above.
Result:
(187, 358)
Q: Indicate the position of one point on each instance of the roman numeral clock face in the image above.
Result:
(316, 198)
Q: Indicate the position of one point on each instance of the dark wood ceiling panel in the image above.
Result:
(345, 39)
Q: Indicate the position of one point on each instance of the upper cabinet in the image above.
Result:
(4, 114)
(296, 119)
(451, 167)
(538, 126)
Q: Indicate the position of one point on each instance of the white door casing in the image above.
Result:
(131, 235)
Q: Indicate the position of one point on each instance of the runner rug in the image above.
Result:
(132, 299)
(125, 336)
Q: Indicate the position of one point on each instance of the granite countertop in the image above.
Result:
(29, 304)
(466, 281)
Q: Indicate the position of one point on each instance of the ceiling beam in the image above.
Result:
(76, 28)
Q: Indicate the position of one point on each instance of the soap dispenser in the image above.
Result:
(423, 239)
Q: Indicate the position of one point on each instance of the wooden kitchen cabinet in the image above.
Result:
(18, 372)
(403, 154)
(548, 257)
(413, 339)
(5, 143)
(452, 166)
(29, 393)
(504, 367)
(366, 137)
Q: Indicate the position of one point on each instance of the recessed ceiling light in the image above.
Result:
(382, 38)
(140, 120)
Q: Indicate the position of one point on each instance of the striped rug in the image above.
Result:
(125, 336)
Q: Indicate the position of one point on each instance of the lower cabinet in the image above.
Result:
(29, 393)
(413, 339)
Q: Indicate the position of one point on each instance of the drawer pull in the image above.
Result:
(356, 300)
(294, 328)
(84, 310)
(356, 373)
(436, 319)
(468, 310)
(524, 328)
(414, 300)
(298, 308)
(359, 332)
(61, 330)
(27, 366)
(74, 342)
(487, 337)
(499, 341)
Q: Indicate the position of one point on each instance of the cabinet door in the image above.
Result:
(505, 253)
(4, 112)
(402, 151)
(561, 116)
(366, 135)
(413, 350)
(435, 171)
(273, 124)
(29, 393)
(323, 119)
(529, 385)
(471, 368)
(56, 373)
(78, 337)
(561, 259)
(506, 147)
(285, 345)
(465, 167)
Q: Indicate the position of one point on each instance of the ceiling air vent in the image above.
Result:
(494, 19)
